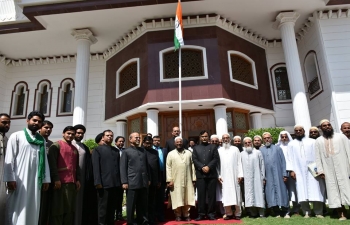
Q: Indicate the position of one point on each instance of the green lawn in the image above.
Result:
(295, 220)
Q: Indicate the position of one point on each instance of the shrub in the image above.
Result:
(90, 143)
(273, 131)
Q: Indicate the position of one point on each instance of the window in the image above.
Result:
(313, 79)
(237, 122)
(66, 98)
(128, 77)
(193, 64)
(19, 101)
(42, 98)
(242, 69)
(281, 84)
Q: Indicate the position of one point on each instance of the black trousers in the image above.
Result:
(137, 198)
(119, 203)
(106, 198)
(160, 198)
(152, 191)
(206, 187)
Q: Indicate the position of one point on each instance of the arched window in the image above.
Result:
(128, 77)
(312, 74)
(42, 98)
(280, 84)
(66, 98)
(242, 69)
(193, 64)
(19, 101)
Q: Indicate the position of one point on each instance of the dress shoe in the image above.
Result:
(178, 218)
(237, 218)
(228, 217)
(200, 217)
(211, 217)
(187, 219)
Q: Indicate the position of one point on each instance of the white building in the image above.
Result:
(110, 64)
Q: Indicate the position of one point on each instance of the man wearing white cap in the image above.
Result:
(333, 163)
(284, 139)
(301, 153)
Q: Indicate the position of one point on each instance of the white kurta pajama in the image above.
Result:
(254, 175)
(309, 188)
(335, 165)
(21, 165)
(230, 170)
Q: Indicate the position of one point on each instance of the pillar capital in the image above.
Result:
(285, 17)
(84, 34)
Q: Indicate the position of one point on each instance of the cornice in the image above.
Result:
(188, 22)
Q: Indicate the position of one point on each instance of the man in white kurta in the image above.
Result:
(301, 152)
(230, 175)
(254, 176)
(333, 163)
(284, 138)
(21, 175)
(181, 177)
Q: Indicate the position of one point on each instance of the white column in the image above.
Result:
(220, 120)
(285, 22)
(121, 129)
(256, 120)
(85, 38)
(152, 121)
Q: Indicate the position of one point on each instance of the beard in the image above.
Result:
(328, 134)
(226, 145)
(239, 147)
(267, 144)
(300, 137)
(257, 146)
(33, 128)
(285, 142)
(249, 149)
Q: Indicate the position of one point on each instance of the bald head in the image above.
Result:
(345, 129)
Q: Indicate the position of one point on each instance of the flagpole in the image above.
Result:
(180, 91)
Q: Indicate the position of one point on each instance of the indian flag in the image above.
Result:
(178, 36)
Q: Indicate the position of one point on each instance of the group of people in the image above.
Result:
(64, 182)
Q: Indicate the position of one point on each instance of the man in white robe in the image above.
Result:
(283, 139)
(230, 176)
(345, 129)
(26, 171)
(254, 177)
(301, 153)
(333, 163)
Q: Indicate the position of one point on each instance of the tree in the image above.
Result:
(273, 131)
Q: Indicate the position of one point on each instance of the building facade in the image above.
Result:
(112, 65)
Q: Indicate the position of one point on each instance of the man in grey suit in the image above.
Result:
(135, 177)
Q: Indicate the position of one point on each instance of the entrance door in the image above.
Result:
(193, 122)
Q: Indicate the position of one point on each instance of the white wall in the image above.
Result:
(3, 87)
(320, 107)
(56, 73)
(336, 38)
(283, 116)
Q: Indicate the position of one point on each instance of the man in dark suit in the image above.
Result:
(119, 144)
(170, 143)
(205, 158)
(153, 163)
(105, 162)
(135, 177)
(160, 194)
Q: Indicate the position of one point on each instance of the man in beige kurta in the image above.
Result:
(181, 179)
(333, 163)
